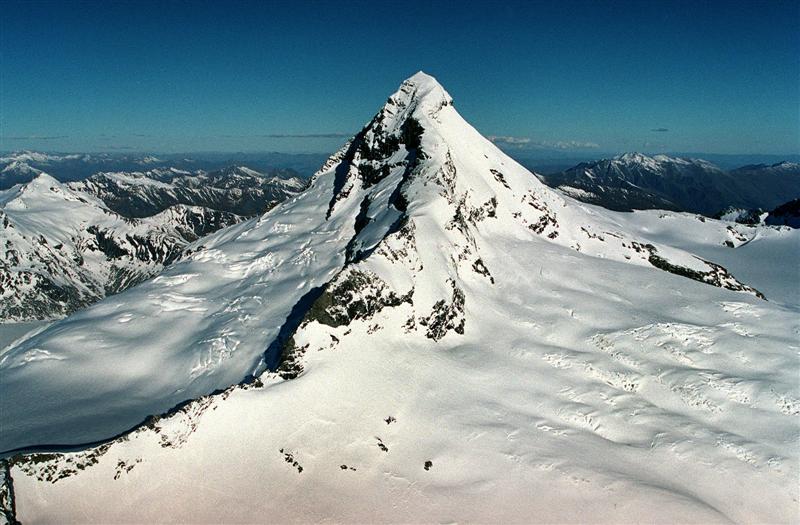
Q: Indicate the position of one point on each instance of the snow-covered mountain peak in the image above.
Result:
(419, 215)
(675, 160)
(635, 157)
(419, 171)
(42, 191)
(248, 171)
(422, 90)
(65, 249)
(43, 180)
(454, 328)
(241, 170)
(657, 162)
(28, 156)
(20, 166)
(638, 181)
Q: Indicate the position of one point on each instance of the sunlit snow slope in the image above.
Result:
(448, 339)
(62, 249)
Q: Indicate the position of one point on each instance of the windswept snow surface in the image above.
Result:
(203, 324)
(483, 350)
(9, 333)
(768, 258)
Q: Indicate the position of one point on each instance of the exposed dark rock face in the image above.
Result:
(481, 268)
(352, 295)
(717, 276)
(740, 215)
(787, 214)
(8, 508)
(355, 294)
(362, 220)
(289, 458)
(446, 316)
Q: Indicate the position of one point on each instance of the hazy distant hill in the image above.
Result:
(637, 181)
(23, 166)
(236, 189)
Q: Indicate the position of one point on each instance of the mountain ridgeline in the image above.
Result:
(425, 323)
(20, 167)
(636, 181)
(66, 246)
(411, 211)
(236, 189)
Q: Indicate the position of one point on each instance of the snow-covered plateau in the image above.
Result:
(430, 334)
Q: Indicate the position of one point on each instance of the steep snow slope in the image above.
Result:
(63, 250)
(451, 341)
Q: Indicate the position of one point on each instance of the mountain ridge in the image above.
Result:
(424, 323)
(637, 181)
(236, 189)
(381, 178)
(64, 250)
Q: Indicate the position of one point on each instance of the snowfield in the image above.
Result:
(765, 257)
(426, 334)
(63, 249)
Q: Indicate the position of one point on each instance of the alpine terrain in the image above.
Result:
(21, 167)
(427, 333)
(636, 181)
(236, 189)
(67, 246)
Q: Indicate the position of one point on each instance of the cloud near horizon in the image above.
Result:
(34, 137)
(528, 143)
(307, 135)
(288, 136)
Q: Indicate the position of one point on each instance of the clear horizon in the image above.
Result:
(540, 79)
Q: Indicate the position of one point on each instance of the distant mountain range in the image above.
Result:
(636, 181)
(237, 189)
(624, 182)
(23, 166)
(66, 246)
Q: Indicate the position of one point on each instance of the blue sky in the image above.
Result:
(719, 77)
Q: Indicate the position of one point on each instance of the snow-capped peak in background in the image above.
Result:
(65, 249)
(638, 181)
